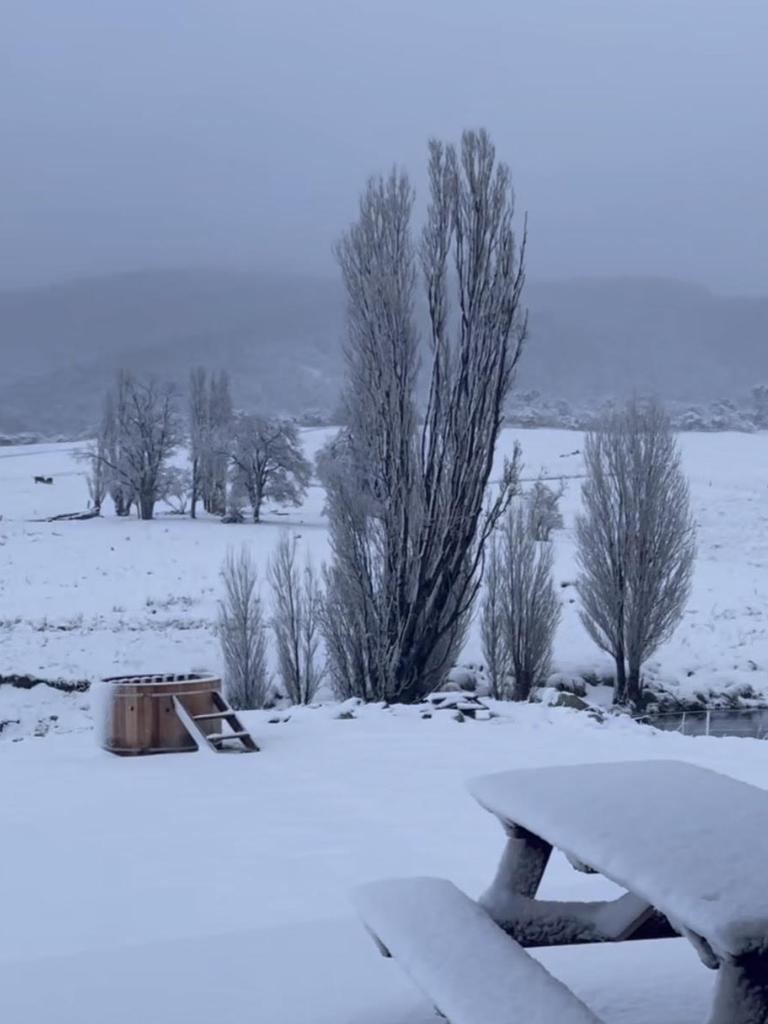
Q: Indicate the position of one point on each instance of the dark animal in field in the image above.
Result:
(43, 479)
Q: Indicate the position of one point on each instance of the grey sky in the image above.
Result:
(239, 132)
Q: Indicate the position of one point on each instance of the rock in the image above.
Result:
(569, 700)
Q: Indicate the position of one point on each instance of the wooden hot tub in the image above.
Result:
(141, 716)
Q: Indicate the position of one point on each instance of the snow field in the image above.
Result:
(81, 600)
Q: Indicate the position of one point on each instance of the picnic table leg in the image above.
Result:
(741, 993)
(511, 901)
(521, 869)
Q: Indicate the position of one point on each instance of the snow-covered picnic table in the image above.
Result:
(689, 845)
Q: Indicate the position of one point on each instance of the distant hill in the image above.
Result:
(280, 337)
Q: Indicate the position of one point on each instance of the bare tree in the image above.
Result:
(237, 499)
(407, 500)
(636, 540)
(242, 633)
(199, 431)
(297, 603)
(220, 425)
(210, 429)
(544, 514)
(98, 477)
(268, 461)
(492, 624)
(530, 609)
(111, 445)
(176, 489)
(150, 436)
(139, 433)
(97, 484)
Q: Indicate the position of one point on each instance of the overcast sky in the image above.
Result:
(140, 133)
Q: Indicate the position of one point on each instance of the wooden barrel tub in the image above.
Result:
(141, 716)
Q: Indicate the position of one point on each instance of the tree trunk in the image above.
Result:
(523, 684)
(620, 686)
(634, 688)
(218, 500)
(193, 499)
(256, 502)
(146, 506)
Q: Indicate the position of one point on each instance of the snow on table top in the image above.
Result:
(460, 958)
(692, 842)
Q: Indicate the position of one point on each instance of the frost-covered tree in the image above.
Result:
(544, 514)
(406, 499)
(492, 622)
(296, 610)
(140, 431)
(268, 461)
(199, 431)
(636, 540)
(243, 634)
(151, 436)
(177, 489)
(220, 425)
(210, 430)
(97, 483)
(99, 475)
(111, 445)
(530, 610)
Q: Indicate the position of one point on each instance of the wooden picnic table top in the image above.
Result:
(688, 840)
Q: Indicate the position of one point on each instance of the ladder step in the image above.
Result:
(212, 715)
(215, 741)
(219, 737)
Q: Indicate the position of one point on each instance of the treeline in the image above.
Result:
(235, 460)
(750, 413)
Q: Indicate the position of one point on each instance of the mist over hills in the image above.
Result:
(280, 337)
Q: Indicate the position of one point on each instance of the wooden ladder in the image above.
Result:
(217, 741)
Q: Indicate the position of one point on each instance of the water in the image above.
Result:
(747, 722)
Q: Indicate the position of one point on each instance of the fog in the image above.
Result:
(238, 133)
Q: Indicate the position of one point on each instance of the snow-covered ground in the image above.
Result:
(198, 888)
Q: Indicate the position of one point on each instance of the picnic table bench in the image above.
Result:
(689, 846)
